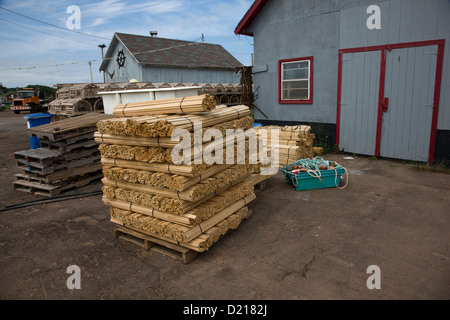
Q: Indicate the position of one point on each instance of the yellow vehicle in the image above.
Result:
(27, 100)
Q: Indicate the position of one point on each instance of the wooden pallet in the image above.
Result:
(154, 244)
(260, 186)
(39, 156)
(33, 185)
(69, 128)
(149, 242)
(259, 180)
(70, 144)
(39, 168)
(42, 157)
(61, 174)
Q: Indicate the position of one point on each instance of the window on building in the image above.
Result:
(295, 80)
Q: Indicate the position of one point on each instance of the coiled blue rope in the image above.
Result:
(309, 164)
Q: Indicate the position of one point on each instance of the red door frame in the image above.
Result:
(437, 87)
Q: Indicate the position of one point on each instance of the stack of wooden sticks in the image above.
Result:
(290, 142)
(294, 142)
(188, 205)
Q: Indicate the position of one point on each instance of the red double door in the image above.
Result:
(388, 99)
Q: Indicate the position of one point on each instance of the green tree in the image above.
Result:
(49, 91)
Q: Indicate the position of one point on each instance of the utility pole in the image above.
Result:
(102, 46)
(90, 68)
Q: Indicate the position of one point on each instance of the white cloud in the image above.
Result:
(98, 22)
(108, 10)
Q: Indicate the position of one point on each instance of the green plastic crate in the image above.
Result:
(304, 181)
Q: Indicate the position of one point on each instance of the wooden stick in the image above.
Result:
(178, 206)
(171, 182)
(163, 142)
(164, 126)
(166, 106)
(182, 233)
(185, 219)
(193, 193)
(183, 170)
(199, 244)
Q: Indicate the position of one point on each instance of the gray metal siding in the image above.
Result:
(291, 28)
(359, 102)
(406, 126)
(402, 21)
(130, 70)
(180, 75)
(284, 30)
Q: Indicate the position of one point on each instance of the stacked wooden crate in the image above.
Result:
(158, 202)
(68, 157)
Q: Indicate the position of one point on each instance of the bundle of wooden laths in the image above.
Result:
(291, 143)
(294, 142)
(190, 204)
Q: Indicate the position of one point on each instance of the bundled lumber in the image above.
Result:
(294, 142)
(137, 222)
(170, 185)
(177, 231)
(165, 125)
(119, 137)
(167, 209)
(159, 154)
(67, 159)
(152, 194)
(166, 106)
(162, 202)
(183, 170)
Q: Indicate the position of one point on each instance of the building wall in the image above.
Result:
(403, 21)
(291, 29)
(130, 70)
(180, 75)
(284, 30)
(133, 70)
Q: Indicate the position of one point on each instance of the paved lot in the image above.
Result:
(313, 244)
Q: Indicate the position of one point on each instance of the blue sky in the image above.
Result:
(50, 54)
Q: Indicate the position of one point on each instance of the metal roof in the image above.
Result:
(156, 51)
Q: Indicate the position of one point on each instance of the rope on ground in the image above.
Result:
(314, 167)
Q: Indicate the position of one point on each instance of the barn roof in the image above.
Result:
(248, 18)
(156, 51)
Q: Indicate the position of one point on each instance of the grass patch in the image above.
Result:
(441, 167)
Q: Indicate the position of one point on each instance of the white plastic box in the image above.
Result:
(113, 98)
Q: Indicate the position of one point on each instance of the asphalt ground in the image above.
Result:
(319, 244)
